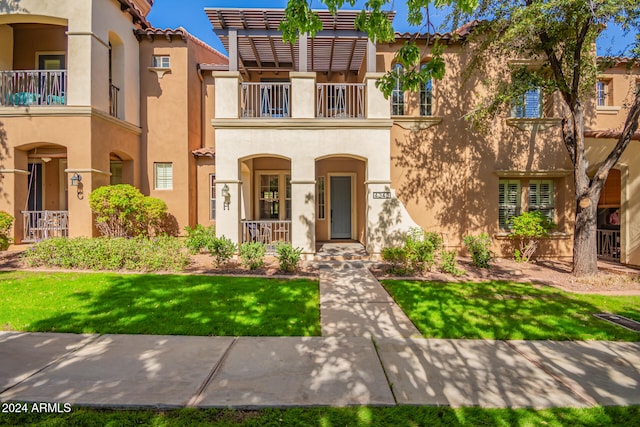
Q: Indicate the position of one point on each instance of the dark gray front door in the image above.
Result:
(340, 207)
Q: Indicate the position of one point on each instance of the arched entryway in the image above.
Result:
(610, 218)
(340, 199)
(43, 207)
(266, 202)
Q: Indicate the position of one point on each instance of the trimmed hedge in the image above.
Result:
(118, 253)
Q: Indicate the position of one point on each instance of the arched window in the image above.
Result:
(397, 95)
(426, 98)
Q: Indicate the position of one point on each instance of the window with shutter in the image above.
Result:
(541, 197)
(530, 105)
(509, 202)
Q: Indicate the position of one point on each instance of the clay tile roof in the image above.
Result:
(136, 15)
(458, 34)
(608, 133)
(151, 33)
(204, 152)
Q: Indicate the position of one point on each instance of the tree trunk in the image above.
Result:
(585, 256)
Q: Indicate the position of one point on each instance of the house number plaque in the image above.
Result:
(382, 194)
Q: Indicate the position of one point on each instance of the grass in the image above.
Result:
(158, 304)
(508, 311)
(332, 417)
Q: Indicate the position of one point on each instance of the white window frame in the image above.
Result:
(426, 97)
(521, 112)
(397, 94)
(284, 189)
(322, 195)
(212, 196)
(603, 92)
(161, 61)
(160, 180)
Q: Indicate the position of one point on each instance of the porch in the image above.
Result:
(41, 225)
(608, 243)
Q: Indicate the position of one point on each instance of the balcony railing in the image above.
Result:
(113, 100)
(608, 242)
(340, 101)
(32, 87)
(268, 232)
(39, 225)
(268, 100)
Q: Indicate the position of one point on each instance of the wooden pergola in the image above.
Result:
(254, 43)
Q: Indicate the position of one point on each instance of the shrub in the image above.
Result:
(528, 229)
(137, 254)
(122, 211)
(221, 249)
(199, 238)
(479, 246)
(448, 262)
(252, 254)
(416, 254)
(288, 256)
(397, 257)
(6, 221)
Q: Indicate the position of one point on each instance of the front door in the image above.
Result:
(340, 207)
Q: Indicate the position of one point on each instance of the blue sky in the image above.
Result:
(190, 15)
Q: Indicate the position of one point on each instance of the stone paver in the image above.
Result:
(309, 371)
(606, 372)
(122, 370)
(353, 303)
(24, 354)
(468, 373)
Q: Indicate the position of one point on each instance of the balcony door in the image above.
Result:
(35, 187)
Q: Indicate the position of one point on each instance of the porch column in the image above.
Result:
(377, 106)
(226, 98)
(228, 209)
(15, 181)
(303, 205)
(303, 95)
(80, 215)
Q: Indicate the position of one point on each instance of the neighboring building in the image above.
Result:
(281, 142)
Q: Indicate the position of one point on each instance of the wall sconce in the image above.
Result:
(227, 197)
(75, 179)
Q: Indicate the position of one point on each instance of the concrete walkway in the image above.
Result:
(370, 353)
(354, 304)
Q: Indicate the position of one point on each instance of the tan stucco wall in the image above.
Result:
(623, 81)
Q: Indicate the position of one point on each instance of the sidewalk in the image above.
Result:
(370, 353)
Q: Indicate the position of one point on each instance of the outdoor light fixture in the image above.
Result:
(75, 179)
(227, 197)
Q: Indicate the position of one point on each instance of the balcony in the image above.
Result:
(267, 100)
(32, 87)
(340, 101)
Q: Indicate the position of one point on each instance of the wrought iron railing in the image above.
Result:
(113, 100)
(340, 101)
(33, 87)
(268, 232)
(267, 100)
(608, 242)
(39, 225)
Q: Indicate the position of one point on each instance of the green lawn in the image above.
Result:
(333, 417)
(158, 304)
(508, 311)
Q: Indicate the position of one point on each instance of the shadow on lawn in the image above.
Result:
(505, 310)
(191, 305)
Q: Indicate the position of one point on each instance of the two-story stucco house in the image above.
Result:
(283, 143)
